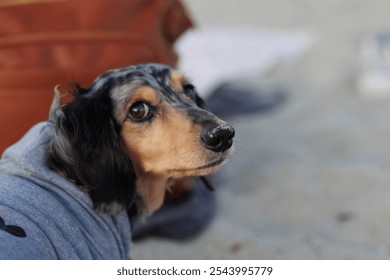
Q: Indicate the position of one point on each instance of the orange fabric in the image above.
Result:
(49, 42)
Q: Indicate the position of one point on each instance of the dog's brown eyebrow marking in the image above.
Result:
(144, 93)
(177, 81)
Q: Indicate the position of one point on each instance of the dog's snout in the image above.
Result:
(218, 138)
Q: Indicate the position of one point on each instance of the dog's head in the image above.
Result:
(132, 132)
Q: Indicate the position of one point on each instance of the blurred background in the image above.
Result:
(309, 98)
(310, 178)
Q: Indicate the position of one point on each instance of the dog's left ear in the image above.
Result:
(87, 149)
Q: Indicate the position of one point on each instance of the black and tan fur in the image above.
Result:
(135, 133)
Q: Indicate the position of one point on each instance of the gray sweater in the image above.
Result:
(45, 216)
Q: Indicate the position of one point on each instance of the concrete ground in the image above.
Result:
(311, 179)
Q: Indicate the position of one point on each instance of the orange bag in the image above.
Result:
(48, 42)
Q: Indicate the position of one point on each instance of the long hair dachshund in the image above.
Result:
(135, 133)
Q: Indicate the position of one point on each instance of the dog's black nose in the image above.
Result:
(218, 138)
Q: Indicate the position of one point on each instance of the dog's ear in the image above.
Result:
(87, 148)
(200, 102)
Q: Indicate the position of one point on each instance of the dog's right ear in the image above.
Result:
(87, 149)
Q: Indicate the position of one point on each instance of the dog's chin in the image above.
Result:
(201, 170)
(215, 164)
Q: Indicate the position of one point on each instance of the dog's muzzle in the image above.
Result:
(218, 138)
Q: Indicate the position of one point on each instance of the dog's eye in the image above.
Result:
(140, 111)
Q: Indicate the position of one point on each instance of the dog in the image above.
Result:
(76, 186)
(134, 135)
